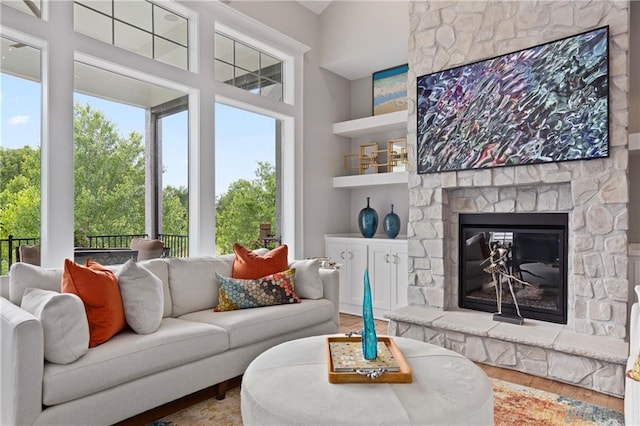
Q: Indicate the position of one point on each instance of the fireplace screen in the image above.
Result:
(526, 250)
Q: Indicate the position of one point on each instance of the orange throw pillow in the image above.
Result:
(97, 286)
(250, 266)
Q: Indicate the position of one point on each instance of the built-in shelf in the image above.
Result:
(634, 143)
(371, 125)
(360, 181)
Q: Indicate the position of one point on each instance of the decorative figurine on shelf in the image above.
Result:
(368, 221)
(369, 337)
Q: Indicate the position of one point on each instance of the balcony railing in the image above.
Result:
(178, 245)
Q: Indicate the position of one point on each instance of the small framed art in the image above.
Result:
(390, 90)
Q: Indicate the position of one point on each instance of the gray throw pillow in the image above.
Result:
(64, 323)
(142, 297)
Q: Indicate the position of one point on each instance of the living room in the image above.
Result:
(335, 52)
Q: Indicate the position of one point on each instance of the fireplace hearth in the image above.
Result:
(529, 250)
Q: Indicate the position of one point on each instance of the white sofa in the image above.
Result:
(632, 387)
(194, 348)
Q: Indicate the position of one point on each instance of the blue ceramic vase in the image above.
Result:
(391, 224)
(368, 221)
(369, 337)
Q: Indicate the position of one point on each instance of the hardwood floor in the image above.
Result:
(352, 323)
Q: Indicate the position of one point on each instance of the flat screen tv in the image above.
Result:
(543, 104)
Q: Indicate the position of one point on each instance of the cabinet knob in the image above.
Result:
(350, 255)
(342, 255)
(386, 258)
(396, 259)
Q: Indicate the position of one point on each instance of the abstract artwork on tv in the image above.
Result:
(543, 104)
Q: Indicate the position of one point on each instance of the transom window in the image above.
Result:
(241, 65)
(139, 26)
(31, 7)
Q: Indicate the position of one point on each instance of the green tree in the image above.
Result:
(175, 210)
(109, 176)
(109, 181)
(20, 192)
(244, 206)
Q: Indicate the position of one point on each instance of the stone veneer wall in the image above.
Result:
(594, 193)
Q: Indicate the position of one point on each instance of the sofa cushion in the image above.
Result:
(160, 268)
(142, 301)
(129, 356)
(307, 282)
(23, 276)
(274, 289)
(97, 286)
(253, 325)
(64, 323)
(249, 265)
(192, 283)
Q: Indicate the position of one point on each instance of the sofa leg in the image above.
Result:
(221, 391)
(222, 388)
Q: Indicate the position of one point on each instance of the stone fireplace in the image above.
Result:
(515, 263)
(590, 349)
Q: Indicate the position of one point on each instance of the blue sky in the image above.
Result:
(242, 138)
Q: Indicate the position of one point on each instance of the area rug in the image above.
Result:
(514, 405)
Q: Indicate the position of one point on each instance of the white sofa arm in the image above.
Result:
(21, 365)
(331, 290)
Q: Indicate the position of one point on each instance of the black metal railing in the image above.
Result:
(111, 241)
(9, 250)
(178, 245)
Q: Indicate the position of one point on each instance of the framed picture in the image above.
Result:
(390, 90)
(542, 104)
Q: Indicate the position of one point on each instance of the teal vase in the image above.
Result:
(368, 221)
(391, 224)
(369, 338)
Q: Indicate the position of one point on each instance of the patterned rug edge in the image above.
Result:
(513, 404)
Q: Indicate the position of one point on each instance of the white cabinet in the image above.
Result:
(388, 271)
(352, 256)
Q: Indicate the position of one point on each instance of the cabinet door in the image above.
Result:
(380, 275)
(338, 252)
(357, 261)
(400, 276)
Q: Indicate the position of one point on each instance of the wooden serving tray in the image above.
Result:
(402, 376)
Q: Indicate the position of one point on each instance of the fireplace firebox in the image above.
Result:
(533, 250)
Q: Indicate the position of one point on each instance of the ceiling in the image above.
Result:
(316, 6)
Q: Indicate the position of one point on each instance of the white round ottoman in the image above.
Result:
(288, 385)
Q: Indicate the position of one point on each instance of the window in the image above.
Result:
(118, 138)
(248, 68)
(31, 7)
(20, 80)
(247, 177)
(139, 26)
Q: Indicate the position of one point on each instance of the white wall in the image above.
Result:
(326, 100)
(362, 97)
(360, 37)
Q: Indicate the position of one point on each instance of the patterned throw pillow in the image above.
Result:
(275, 289)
